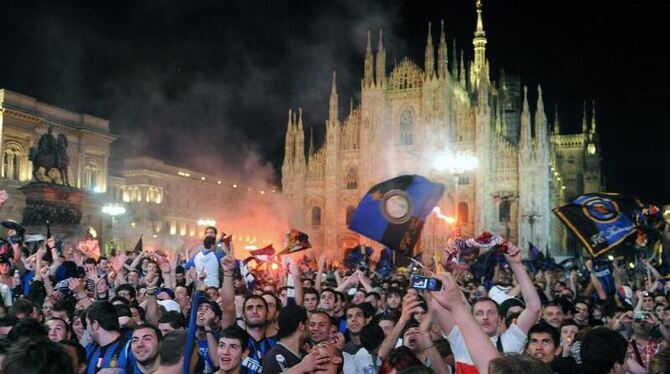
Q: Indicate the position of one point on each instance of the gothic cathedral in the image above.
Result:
(409, 118)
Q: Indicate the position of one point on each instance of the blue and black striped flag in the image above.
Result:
(393, 212)
(601, 221)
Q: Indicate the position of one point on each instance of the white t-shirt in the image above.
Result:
(513, 341)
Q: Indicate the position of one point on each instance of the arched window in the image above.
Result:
(92, 174)
(13, 155)
(316, 216)
(352, 179)
(350, 213)
(405, 127)
(463, 213)
(503, 211)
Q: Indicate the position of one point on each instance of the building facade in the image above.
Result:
(23, 120)
(170, 206)
(410, 117)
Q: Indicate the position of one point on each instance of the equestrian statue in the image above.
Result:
(51, 153)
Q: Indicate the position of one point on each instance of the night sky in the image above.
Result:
(207, 84)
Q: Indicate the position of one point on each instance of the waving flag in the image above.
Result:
(192, 328)
(295, 241)
(358, 256)
(601, 221)
(263, 254)
(393, 212)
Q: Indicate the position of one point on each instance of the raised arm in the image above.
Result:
(228, 291)
(409, 305)
(321, 263)
(530, 315)
(478, 344)
(151, 306)
(595, 282)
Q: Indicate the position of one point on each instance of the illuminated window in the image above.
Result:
(92, 174)
(463, 213)
(405, 128)
(13, 159)
(316, 216)
(352, 179)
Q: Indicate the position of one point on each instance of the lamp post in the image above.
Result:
(455, 163)
(113, 210)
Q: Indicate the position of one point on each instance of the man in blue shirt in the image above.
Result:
(109, 349)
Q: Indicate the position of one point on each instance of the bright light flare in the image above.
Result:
(274, 266)
(456, 163)
(206, 222)
(113, 209)
(448, 219)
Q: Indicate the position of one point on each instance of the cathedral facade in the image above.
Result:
(412, 117)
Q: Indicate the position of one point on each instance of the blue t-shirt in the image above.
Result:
(116, 354)
(203, 351)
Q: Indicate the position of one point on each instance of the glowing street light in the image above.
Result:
(456, 163)
(208, 222)
(113, 210)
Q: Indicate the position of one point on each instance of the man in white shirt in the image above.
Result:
(207, 260)
(486, 313)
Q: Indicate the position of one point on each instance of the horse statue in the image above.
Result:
(50, 154)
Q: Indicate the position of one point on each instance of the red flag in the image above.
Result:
(263, 254)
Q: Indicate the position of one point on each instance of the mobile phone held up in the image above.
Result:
(425, 283)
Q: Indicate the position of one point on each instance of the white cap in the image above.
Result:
(170, 305)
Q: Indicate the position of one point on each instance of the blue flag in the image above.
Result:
(192, 328)
(601, 221)
(393, 212)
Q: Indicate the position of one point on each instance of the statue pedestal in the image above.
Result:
(60, 205)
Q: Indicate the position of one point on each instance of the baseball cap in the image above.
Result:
(626, 294)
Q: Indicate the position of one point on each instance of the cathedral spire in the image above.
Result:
(557, 123)
(461, 75)
(593, 118)
(540, 120)
(585, 122)
(525, 140)
(333, 112)
(289, 146)
(454, 61)
(380, 70)
(311, 142)
(442, 55)
(300, 140)
(429, 64)
(367, 73)
(479, 42)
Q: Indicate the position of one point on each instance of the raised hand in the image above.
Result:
(410, 304)
(449, 297)
(228, 264)
(151, 280)
(513, 255)
(4, 196)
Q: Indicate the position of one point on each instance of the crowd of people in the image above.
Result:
(62, 311)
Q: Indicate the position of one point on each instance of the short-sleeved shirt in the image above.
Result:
(513, 340)
(279, 359)
(257, 350)
(116, 354)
